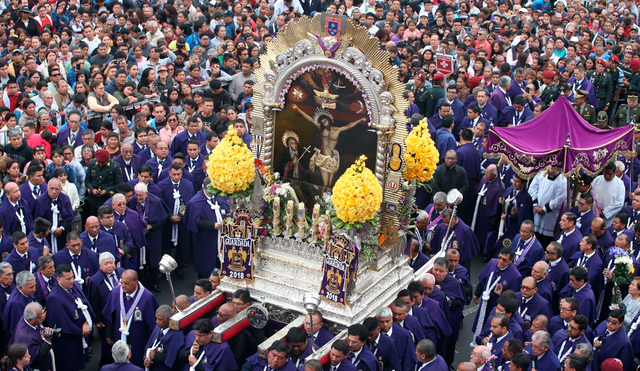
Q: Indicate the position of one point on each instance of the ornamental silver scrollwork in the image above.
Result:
(300, 50)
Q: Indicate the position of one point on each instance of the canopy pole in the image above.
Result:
(568, 180)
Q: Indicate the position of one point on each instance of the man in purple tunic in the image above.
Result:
(23, 257)
(382, 346)
(486, 213)
(278, 359)
(37, 238)
(34, 186)
(589, 258)
(469, 159)
(73, 316)
(55, 207)
(120, 233)
(15, 212)
(100, 286)
(44, 278)
(530, 302)
(442, 327)
(611, 341)
(507, 305)
(527, 248)
(460, 237)
(426, 353)
(194, 164)
(129, 315)
(164, 344)
(300, 346)
(200, 351)
(132, 221)
(569, 236)
(565, 341)
(540, 272)
(98, 241)
(83, 261)
(161, 160)
(402, 338)
(176, 194)
(6, 288)
(30, 332)
(427, 323)
(153, 212)
(20, 297)
(580, 289)
(144, 176)
(204, 219)
(181, 141)
(599, 229)
(519, 207)
(500, 333)
(584, 213)
(121, 355)
(558, 269)
(129, 162)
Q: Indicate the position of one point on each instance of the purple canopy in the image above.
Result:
(558, 138)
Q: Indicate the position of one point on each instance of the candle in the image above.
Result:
(327, 230)
(315, 220)
(276, 215)
(289, 220)
(302, 221)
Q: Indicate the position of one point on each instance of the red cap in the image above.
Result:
(602, 62)
(474, 81)
(614, 59)
(634, 64)
(438, 77)
(611, 364)
(421, 75)
(102, 155)
(548, 74)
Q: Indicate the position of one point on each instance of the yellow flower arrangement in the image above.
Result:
(421, 156)
(231, 166)
(357, 195)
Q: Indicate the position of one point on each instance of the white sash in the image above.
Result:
(77, 272)
(129, 174)
(216, 208)
(20, 216)
(54, 226)
(87, 317)
(193, 368)
(481, 194)
(125, 318)
(176, 210)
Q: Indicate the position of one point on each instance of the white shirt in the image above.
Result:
(609, 196)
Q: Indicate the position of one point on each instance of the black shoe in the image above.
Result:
(180, 274)
(156, 288)
(160, 277)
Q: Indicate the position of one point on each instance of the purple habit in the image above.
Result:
(563, 346)
(534, 305)
(151, 187)
(594, 266)
(217, 357)
(464, 240)
(124, 366)
(132, 220)
(524, 260)
(196, 169)
(186, 190)
(104, 242)
(488, 207)
(14, 310)
(558, 274)
(38, 245)
(31, 337)
(42, 209)
(142, 319)
(167, 348)
(261, 364)
(8, 215)
(69, 319)
(509, 279)
(123, 237)
(86, 262)
(545, 289)
(406, 347)
(521, 200)
(129, 172)
(20, 264)
(616, 345)
(583, 223)
(153, 213)
(27, 194)
(205, 239)
(515, 327)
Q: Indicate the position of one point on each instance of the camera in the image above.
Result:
(291, 8)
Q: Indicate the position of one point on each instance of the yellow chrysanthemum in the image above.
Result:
(421, 156)
(357, 195)
(231, 164)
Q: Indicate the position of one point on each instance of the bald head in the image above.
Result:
(126, 147)
(12, 191)
(183, 302)
(540, 270)
(428, 279)
(226, 312)
(467, 366)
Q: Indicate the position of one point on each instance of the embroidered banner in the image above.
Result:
(239, 237)
(339, 268)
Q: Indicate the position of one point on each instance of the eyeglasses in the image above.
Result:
(527, 288)
(172, 120)
(56, 75)
(613, 321)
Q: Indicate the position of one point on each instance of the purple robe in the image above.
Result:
(43, 288)
(155, 165)
(27, 335)
(179, 143)
(132, 221)
(10, 219)
(469, 159)
(439, 297)
(122, 237)
(14, 310)
(524, 260)
(559, 275)
(218, 357)
(516, 327)
(604, 243)
(298, 360)
(259, 364)
(453, 290)
(169, 344)
(489, 113)
(457, 110)
(153, 213)
(510, 279)
(38, 245)
(438, 364)
(322, 336)
(545, 289)
(129, 172)
(406, 347)
(195, 167)
(87, 262)
(633, 219)
(616, 345)
(413, 325)
(28, 197)
(386, 351)
(144, 154)
(524, 206)
(187, 192)
(585, 85)
(570, 243)
(534, 306)
(506, 174)
(496, 348)
(142, 320)
(585, 297)
(464, 240)
(98, 290)
(516, 89)
(124, 366)
(509, 116)
(594, 266)
(548, 361)
(345, 365)
(165, 174)
(418, 261)
(6, 243)
(488, 207)
(69, 319)
(205, 241)
(137, 148)
(562, 344)
(583, 223)
(20, 264)
(65, 134)
(557, 324)
(104, 243)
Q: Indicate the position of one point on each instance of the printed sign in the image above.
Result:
(239, 236)
(444, 64)
(339, 267)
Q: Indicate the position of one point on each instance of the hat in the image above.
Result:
(423, 15)
(217, 14)
(611, 41)
(102, 155)
(421, 76)
(580, 94)
(602, 117)
(523, 10)
(601, 61)
(162, 68)
(228, 13)
(548, 74)
(428, 1)
(474, 81)
(634, 64)
(38, 148)
(438, 77)
(611, 364)
(24, 9)
(632, 95)
(142, 35)
(614, 59)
